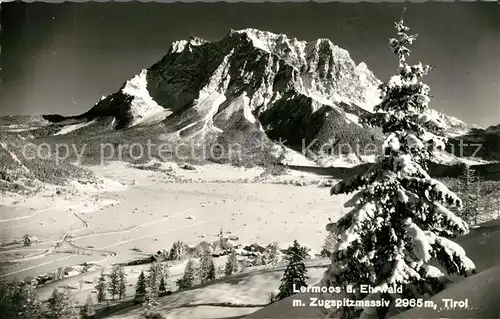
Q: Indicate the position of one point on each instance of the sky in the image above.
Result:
(61, 58)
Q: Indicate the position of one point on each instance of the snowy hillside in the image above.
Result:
(22, 172)
(303, 93)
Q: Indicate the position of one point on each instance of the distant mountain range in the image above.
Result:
(248, 82)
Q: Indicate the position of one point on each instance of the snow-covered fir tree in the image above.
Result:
(166, 274)
(88, 310)
(188, 280)
(295, 273)
(122, 283)
(270, 257)
(101, 287)
(399, 224)
(149, 306)
(31, 305)
(163, 286)
(19, 300)
(231, 264)
(469, 194)
(11, 299)
(152, 288)
(162, 289)
(140, 287)
(62, 305)
(155, 273)
(4, 299)
(207, 268)
(329, 244)
(114, 281)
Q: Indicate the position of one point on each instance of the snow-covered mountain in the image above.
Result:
(250, 80)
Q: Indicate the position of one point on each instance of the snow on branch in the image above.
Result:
(406, 167)
(351, 224)
(454, 222)
(453, 257)
(435, 217)
(355, 200)
(430, 120)
(431, 190)
(432, 272)
(356, 182)
(399, 218)
(401, 273)
(421, 242)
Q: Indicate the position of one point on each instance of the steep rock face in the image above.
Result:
(129, 105)
(325, 71)
(251, 81)
(249, 77)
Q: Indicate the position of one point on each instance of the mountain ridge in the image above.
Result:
(249, 80)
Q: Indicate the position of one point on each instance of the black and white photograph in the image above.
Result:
(223, 160)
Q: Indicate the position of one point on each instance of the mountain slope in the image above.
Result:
(25, 168)
(249, 81)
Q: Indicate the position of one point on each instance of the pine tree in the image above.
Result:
(231, 264)
(188, 280)
(122, 283)
(165, 276)
(19, 300)
(62, 305)
(55, 303)
(16, 297)
(140, 288)
(467, 194)
(295, 272)
(101, 288)
(271, 255)
(4, 299)
(155, 273)
(114, 281)
(10, 299)
(480, 206)
(31, 306)
(163, 287)
(399, 221)
(88, 310)
(329, 245)
(150, 303)
(207, 268)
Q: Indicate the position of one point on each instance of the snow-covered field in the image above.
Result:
(229, 297)
(137, 208)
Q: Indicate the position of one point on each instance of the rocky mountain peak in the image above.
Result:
(179, 46)
(278, 85)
